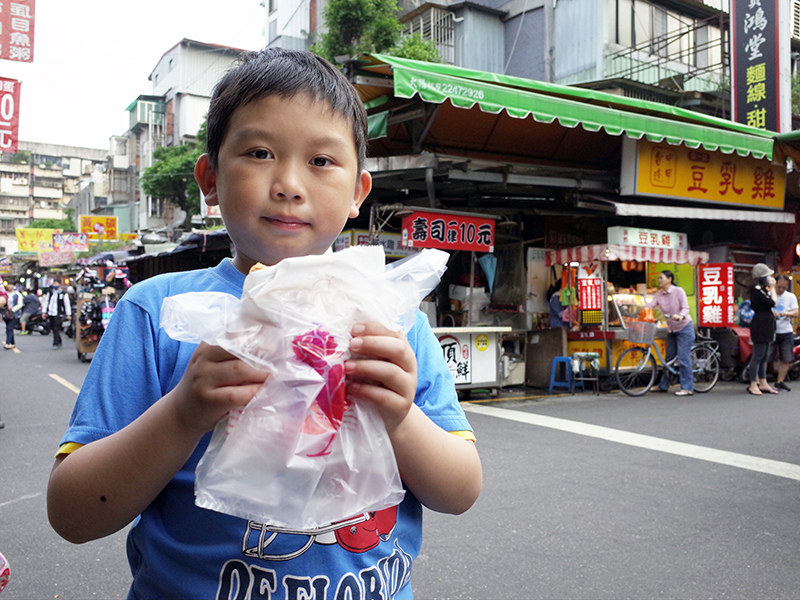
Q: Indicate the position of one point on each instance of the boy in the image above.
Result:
(286, 145)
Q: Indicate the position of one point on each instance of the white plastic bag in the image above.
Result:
(300, 454)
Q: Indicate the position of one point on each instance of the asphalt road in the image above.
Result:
(584, 496)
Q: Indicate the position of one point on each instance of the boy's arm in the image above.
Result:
(102, 486)
(441, 469)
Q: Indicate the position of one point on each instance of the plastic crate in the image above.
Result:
(641, 333)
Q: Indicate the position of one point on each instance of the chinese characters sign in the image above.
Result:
(590, 286)
(35, 240)
(9, 115)
(448, 232)
(456, 352)
(70, 242)
(716, 302)
(680, 172)
(651, 238)
(756, 53)
(103, 228)
(16, 30)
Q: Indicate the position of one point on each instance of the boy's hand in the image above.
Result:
(384, 372)
(215, 382)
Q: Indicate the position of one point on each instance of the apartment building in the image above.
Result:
(41, 181)
(182, 82)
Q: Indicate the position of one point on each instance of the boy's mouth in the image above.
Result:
(282, 222)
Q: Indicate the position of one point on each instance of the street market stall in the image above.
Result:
(462, 314)
(614, 281)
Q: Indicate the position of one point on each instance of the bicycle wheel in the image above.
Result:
(635, 371)
(705, 368)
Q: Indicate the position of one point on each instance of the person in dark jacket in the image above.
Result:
(30, 306)
(762, 328)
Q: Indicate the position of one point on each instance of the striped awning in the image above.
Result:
(613, 252)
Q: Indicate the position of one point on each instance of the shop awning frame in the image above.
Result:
(615, 252)
(687, 212)
(548, 103)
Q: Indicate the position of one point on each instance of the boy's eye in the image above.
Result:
(261, 153)
(320, 161)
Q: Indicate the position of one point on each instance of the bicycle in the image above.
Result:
(636, 367)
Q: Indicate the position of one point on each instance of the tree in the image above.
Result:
(65, 224)
(416, 47)
(356, 26)
(171, 177)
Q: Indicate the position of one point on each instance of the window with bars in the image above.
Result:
(435, 24)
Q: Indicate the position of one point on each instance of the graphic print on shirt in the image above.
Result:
(241, 580)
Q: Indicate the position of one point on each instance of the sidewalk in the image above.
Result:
(531, 394)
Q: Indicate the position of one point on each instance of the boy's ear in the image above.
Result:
(206, 178)
(363, 188)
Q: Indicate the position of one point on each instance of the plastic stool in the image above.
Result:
(555, 383)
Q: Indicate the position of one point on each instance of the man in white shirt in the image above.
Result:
(785, 310)
(57, 307)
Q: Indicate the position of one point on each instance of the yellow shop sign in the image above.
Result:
(665, 171)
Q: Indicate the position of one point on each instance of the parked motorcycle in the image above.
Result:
(37, 323)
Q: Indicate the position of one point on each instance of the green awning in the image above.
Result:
(570, 107)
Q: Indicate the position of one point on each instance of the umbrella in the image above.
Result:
(488, 263)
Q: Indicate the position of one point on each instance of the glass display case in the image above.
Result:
(627, 306)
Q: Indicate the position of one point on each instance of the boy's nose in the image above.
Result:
(287, 184)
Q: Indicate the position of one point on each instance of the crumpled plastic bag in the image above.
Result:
(301, 455)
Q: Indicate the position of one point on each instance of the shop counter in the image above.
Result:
(608, 344)
(473, 355)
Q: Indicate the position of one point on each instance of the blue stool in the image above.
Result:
(556, 383)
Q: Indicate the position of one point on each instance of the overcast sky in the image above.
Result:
(92, 59)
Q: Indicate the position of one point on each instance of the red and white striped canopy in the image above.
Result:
(610, 252)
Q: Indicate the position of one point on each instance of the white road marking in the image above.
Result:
(65, 383)
(731, 459)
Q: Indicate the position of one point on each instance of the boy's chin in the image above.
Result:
(245, 263)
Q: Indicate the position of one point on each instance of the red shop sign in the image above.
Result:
(448, 232)
(716, 301)
(17, 20)
(9, 115)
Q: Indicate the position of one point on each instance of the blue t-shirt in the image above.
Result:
(177, 550)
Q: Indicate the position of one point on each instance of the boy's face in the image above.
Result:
(286, 179)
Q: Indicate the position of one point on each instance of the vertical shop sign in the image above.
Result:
(590, 293)
(17, 20)
(717, 305)
(755, 49)
(448, 232)
(9, 115)
(590, 286)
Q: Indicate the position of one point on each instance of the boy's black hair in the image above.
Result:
(286, 73)
(783, 277)
(670, 274)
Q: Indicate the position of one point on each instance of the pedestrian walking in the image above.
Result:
(58, 307)
(11, 313)
(30, 306)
